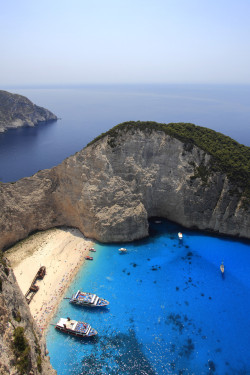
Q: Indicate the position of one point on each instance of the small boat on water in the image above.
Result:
(222, 268)
(75, 328)
(180, 235)
(92, 249)
(122, 250)
(89, 258)
(88, 299)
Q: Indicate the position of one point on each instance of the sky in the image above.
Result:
(124, 41)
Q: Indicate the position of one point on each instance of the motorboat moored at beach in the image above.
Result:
(92, 249)
(122, 250)
(75, 328)
(89, 258)
(88, 299)
(180, 235)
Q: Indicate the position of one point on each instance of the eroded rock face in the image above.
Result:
(16, 110)
(109, 190)
(14, 313)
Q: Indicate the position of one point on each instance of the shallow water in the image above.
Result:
(170, 311)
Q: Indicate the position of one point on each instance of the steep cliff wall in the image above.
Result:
(23, 349)
(16, 110)
(110, 189)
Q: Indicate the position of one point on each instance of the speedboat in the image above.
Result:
(88, 299)
(75, 328)
(180, 236)
(92, 249)
(89, 258)
(222, 268)
(122, 249)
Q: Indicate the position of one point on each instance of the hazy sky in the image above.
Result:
(116, 41)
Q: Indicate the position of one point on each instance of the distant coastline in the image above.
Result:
(90, 110)
(17, 111)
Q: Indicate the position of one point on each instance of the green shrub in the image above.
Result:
(21, 350)
(39, 363)
(23, 362)
(17, 315)
(2, 259)
(201, 172)
(20, 342)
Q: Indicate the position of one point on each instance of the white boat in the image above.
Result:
(88, 299)
(75, 328)
(222, 268)
(180, 236)
(122, 249)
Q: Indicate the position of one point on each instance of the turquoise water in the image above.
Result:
(170, 311)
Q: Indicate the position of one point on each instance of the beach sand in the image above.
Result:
(62, 251)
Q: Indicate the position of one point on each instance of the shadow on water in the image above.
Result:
(88, 341)
(92, 310)
(117, 354)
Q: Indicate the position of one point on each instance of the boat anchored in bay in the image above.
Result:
(222, 269)
(88, 299)
(75, 328)
(122, 250)
(180, 235)
(88, 257)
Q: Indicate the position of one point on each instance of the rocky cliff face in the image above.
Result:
(110, 189)
(23, 349)
(17, 110)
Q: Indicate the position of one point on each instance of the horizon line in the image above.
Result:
(74, 85)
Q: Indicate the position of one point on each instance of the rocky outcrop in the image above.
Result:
(23, 350)
(110, 189)
(17, 110)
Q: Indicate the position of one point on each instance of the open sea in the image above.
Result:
(87, 111)
(170, 311)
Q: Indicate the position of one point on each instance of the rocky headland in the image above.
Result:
(187, 174)
(16, 111)
(23, 349)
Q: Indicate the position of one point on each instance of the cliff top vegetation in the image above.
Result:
(228, 156)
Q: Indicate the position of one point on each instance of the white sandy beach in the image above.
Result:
(62, 252)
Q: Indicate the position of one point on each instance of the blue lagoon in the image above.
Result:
(170, 312)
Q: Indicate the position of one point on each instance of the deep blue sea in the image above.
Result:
(170, 311)
(87, 111)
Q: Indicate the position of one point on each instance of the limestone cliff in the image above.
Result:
(17, 110)
(110, 188)
(23, 349)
